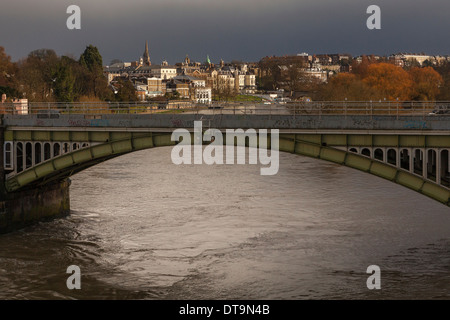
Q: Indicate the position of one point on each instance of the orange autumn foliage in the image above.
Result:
(380, 81)
(389, 81)
(346, 86)
(427, 82)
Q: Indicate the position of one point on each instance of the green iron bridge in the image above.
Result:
(406, 145)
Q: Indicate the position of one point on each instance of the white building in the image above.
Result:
(164, 72)
(420, 58)
(203, 95)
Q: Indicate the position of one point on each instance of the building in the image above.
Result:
(155, 87)
(164, 72)
(408, 58)
(182, 88)
(198, 90)
(203, 95)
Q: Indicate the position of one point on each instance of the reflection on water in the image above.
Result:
(143, 228)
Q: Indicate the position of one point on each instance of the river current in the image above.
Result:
(144, 228)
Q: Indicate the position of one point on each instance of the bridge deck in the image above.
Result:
(126, 122)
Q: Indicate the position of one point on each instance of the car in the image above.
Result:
(440, 110)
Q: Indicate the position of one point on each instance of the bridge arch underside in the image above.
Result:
(420, 163)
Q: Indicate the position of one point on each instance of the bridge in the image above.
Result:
(410, 146)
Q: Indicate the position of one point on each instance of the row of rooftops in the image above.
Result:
(123, 68)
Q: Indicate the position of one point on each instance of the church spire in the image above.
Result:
(146, 55)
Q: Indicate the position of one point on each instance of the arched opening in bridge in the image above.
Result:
(66, 147)
(365, 152)
(19, 152)
(47, 151)
(431, 165)
(445, 168)
(392, 157)
(75, 146)
(353, 150)
(56, 149)
(404, 159)
(37, 153)
(28, 155)
(9, 156)
(418, 162)
(378, 154)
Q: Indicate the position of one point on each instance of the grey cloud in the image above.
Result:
(232, 29)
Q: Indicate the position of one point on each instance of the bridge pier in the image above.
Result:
(23, 208)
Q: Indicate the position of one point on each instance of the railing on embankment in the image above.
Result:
(368, 108)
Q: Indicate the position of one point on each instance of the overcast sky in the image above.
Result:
(228, 29)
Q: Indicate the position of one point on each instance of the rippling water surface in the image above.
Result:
(143, 228)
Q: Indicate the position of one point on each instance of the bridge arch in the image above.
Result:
(378, 154)
(83, 155)
(366, 152)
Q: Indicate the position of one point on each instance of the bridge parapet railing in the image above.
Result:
(364, 108)
(370, 108)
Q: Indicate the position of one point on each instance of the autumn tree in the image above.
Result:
(295, 78)
(224, 92)
(126, 91)
(444, 70)
(389, 81)
(346, 86)
(361, 68)
(427, 83)
(271, 75)
(8, 71)
(36, 75)
(43, 76)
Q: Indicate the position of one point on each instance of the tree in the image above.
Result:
(360, 68)
(427, 63)
(412, 63)
(64, 81)
(7, 69)
(36, 75)
(271, 75)
(8, 72)
(92, 60)
(389, 81)
(126, 91)
(10, 92)
(295, 78)
(224, 92)
(427, 83)
(96, 83)
(444, 70)
(346, 86)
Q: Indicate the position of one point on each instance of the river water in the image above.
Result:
(144, 228)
